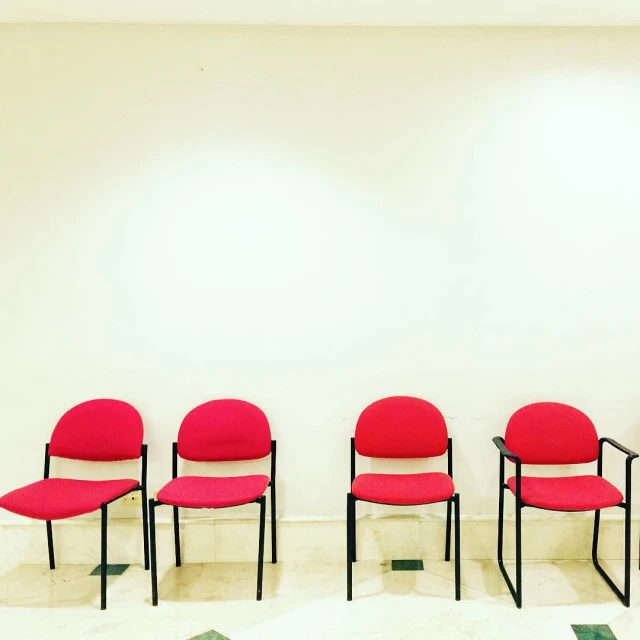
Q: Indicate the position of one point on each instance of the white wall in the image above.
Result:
(312, 219)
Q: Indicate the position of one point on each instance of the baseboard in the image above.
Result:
(380, 538)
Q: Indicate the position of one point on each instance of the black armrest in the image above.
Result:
(499, 442)
(619, 447)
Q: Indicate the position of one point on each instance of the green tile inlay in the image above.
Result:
(407, 565)
(210, 635)
(592, 632)
(112, 569)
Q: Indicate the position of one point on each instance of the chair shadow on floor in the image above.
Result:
(554, 583)
(545, 584)
(372, 579)
(37, 586)
(219, 581)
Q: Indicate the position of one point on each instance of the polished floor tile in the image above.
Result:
(217, 601)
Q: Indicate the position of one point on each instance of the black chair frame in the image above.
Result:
(454, 502)
(176, 527)
(142, 487)
(516, 591)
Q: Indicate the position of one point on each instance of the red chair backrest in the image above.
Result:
(552, 433)
(100, 431)
(224, 431)
(401, 427)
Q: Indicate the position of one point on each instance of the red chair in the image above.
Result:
(94, 431)
(402, 427)
(552, 433)
(219, 431)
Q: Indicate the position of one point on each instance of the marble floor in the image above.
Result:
(309, 601)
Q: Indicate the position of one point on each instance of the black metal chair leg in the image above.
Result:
(52, 559)
(354, 555)
(457, 545)
(145, 528)
(349, 549)
(103, 558)
(154, 566)
(516, 592)
(518, 556)
(624, 596)
(176, 535)
(596, 536)
(274, 534)
(627, 554)
(263, 503)
(447, 543)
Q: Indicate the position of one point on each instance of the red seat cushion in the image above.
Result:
(571, 493)
(60, 498)
(199, 492)
(403, 489)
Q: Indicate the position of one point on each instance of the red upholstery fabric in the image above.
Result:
(99, 430)
(223, 431)
(403, 489)
(59, 498)
(570, 493)
(401, 427)
(552, 433)
(198, 492)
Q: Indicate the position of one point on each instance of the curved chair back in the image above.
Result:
(552, 433)
(401, 427)
(98, 430)
(224, 431)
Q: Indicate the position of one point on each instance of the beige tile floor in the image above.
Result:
(309, 601)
